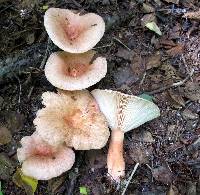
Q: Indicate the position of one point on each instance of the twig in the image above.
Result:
(129, 179)
(119, 41)
(103, 46)
(186, 66)
(179, 83)
(20, 89)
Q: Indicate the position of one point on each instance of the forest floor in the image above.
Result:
(166, 67)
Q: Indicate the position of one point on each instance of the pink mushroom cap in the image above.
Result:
(42, 161)
(73, 32)
(75, 71)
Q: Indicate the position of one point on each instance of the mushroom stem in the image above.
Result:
(115, 160)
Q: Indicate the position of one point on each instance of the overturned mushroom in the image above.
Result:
(73, 118)
(73, 32)
(123, 112)
(42, 161)
(75, 71)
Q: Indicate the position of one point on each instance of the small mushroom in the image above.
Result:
(75, 71)
(124, 113)
(74, 118)
(73, 32)
(42, 161)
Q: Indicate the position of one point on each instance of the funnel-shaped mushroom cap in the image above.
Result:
(73, 117)
(42, 161)
(124, 111)
(73, 32)
(74, 71)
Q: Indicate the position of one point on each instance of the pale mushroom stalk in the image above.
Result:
(115, 160)
(123, 113)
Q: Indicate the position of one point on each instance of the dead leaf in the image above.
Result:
(138, 65)
(147, 18)
(192, 15)
(172, 1)
(143, 136)
(124, 76)
(124, 53)
(191, 188)
(55, 184)
(1, 102)
(173, 190)
(174, 33)
(191, 91)
(189, 115)
(96, 159)
(162, 174)
(153, 61)
(178, 49)
(140, 153)
(176, 99)
(30, 38)
(5, 135)
(167, 43)
(147, 8)
(7, 167)
(27, 183)
(14, 120)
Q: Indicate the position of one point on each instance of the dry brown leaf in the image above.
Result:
(147, 8)
(172, 191)
(191, 91)
(162, 174)
(178, 49)
(138, 65)
(147, 18)
(172, 1)
(189, 115)
(5, 135)
(153, 61)
(177, 99)
(192, 15)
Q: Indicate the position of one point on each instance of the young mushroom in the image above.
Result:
(74, 118)
(75, 71)
(73, 32)
(43, 161)
(124, 113)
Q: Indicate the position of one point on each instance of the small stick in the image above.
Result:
(129, 179)
(116, 39)
(186, 66)
(179, 83)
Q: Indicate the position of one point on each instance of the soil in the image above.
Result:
(166, 67)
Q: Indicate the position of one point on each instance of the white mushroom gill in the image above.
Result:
(124, 113)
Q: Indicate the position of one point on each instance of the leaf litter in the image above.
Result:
(143, 61)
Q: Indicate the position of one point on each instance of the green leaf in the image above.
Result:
(45, 7)
(1, 193)
(83, 190)
(146, 97)
(153, 26)
(23, 181)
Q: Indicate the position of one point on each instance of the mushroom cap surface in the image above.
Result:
(125, 112)
(42, 161)
(73, 32)
(75, 71)
(74, 118)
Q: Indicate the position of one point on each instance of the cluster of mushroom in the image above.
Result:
(73, 117)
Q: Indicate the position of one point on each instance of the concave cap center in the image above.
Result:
(76, 70)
